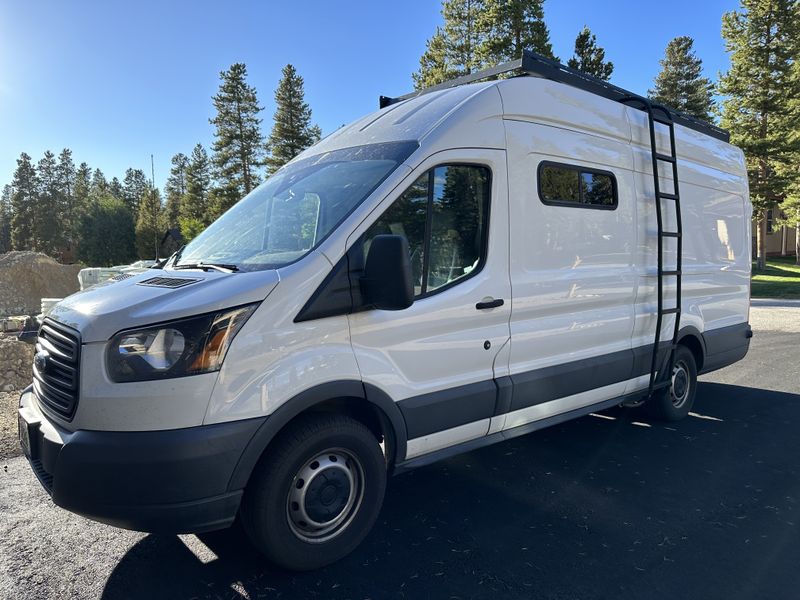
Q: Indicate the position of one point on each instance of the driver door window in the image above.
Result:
(444, 217)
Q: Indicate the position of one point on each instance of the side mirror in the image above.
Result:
(387, 282)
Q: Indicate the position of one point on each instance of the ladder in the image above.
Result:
(661, 370)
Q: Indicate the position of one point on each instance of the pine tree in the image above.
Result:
(511, 26)
(150, 224)
(48, 229)
(83, 186)
(175, 188)
(681, 84)
(761, 89)
(292, 131)
(238, 141)
(134, 187)
(434, 65)
(454, 49)
(115, 189)
(23, 205)
(107, 233)
(589, 57)
(99, 186)
(196, 211)
(65, 176)
(5, 218)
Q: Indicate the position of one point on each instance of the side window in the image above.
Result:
(580, 187)
(444, 217)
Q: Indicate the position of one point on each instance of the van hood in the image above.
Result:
(156, 296)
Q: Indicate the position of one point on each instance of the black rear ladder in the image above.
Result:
(661, 370)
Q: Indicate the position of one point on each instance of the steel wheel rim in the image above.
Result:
(680, 385)
(325, 495)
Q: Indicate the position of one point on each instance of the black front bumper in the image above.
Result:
(174, 481)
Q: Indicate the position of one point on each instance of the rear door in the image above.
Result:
(437, 358)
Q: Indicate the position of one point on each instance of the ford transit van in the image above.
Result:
(469, 263)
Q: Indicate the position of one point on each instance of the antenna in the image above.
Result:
(153, 201)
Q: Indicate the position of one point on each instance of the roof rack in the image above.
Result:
(539, 66)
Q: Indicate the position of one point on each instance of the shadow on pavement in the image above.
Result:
(605, 506)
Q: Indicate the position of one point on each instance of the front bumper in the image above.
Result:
(173, 481)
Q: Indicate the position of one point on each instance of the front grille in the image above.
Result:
(169, 282)
(56, 383)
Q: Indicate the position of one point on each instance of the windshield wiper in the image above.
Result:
(205, 266)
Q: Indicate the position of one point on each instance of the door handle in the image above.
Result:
(489, 304)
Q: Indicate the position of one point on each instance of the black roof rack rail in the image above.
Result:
(540, 66)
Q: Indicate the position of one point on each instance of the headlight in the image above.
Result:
(175, 349)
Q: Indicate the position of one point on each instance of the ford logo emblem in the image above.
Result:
(40, 361)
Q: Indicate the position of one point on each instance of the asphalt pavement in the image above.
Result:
(607, 506)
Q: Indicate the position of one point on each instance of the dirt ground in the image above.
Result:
(9, 447)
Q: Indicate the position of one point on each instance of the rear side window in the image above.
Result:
(444, 216)
(575, 186)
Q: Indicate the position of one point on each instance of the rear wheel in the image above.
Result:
(675, 402)
(316, 494)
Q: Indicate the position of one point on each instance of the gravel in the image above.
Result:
(9, 446)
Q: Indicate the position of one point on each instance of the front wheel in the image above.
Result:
(316, 494)
(675, 402)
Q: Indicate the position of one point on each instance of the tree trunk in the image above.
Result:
(761, 262)
(797, 239)
(784, 240)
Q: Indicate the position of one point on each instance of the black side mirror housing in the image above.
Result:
(387, 281)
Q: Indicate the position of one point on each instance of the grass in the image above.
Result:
(781, 279)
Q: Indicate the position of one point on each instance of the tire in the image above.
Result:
(316, 493)
(666, 404)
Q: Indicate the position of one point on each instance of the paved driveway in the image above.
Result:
(607, 506)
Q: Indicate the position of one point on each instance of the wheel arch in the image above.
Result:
(364, 402)
(692, 338)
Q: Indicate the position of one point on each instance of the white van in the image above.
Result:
(466, 265)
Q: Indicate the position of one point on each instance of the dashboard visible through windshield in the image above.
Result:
(287, 216)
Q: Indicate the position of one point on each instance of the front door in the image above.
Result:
(437, 358)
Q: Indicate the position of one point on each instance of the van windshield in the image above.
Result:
(288, 215)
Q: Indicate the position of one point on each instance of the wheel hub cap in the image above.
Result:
(680, 384)
(325, 495)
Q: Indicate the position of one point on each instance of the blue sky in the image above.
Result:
(117, 81)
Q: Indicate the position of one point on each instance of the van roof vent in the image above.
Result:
(169, 282)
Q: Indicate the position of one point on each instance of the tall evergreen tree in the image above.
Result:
(681, 84)
(23, 205)
(292, 131)
(761, 91)
(434, 64)
(134, 187)
(150, 225)
(5, 218)
(196, 211)
(99, 186)
(107, 233)
(175, 188)
(48, 216)
(83, 187)
(65, 177)
(115, 188)
(511, 26)
(481, 33)
(238, 141)
(454, 50)
(589, 57)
